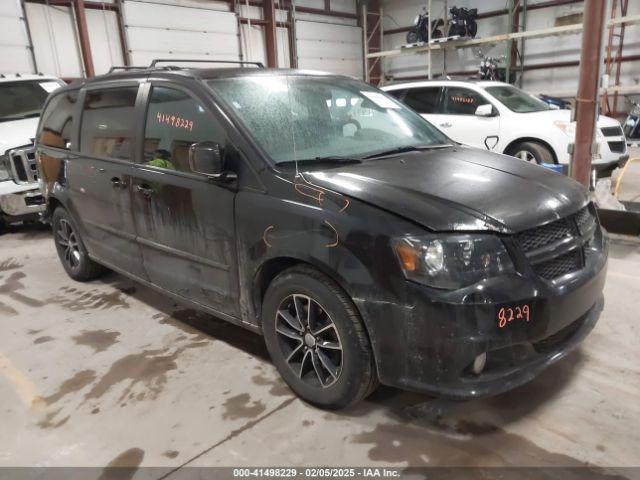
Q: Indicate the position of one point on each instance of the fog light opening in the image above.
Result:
(479, 363)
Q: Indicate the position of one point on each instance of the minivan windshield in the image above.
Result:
(24, 99)
(315, 118)
(517, 100)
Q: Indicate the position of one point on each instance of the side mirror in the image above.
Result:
(485, 110)
(206, 158)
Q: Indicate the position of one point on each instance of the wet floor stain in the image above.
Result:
(186, 320)
(10, 264)
(7, 309)
(99, 340)
(50, 422)
(278, 387)
(44, 339)
(241, 406)
(12, 286)
(124, 466)
(171, 454)
(146, 370)
(75, 300)
(74, 384)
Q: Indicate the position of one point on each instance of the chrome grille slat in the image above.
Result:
(23, 165)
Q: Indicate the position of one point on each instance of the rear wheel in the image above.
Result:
(71, 250)
(531, 152)
(316, 339)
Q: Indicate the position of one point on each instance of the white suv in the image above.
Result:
(21, 101)
(505, 119)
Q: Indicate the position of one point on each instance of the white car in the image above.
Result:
(502, 118)
(21, 101)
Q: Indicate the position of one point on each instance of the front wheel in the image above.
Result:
(316, 339)
(412, 36)
(71, 250)
(531, 152)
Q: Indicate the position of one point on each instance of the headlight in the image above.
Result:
(569, 129)
(452, 260)
(4, 168)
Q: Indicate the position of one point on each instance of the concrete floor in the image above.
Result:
(111, 373)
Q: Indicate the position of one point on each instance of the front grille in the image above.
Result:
(23, 164)
(541, 236)
(539, 244)
(611, 131)
(617, 147)
(561, 265)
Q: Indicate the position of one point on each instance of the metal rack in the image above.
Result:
(515, 40)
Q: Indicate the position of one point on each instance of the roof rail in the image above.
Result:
(188, 60)
(125, 67)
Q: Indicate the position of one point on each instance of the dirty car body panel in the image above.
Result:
(215, 243)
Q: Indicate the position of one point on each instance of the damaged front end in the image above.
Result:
(20, 196)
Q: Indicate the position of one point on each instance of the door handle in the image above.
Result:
(117, 183)
(445, 125)
(144, 189)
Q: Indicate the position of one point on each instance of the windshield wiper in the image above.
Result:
(322, 160)
(408, 148)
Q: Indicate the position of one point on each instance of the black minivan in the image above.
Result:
(364, 245)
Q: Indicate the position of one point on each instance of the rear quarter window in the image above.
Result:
(107, 128)
(57, 121)
(423, 100)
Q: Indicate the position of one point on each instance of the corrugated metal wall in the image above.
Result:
(199, 29)
(14, 41)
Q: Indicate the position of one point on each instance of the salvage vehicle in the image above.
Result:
(21, 100)
(361, 242)
(504, 119)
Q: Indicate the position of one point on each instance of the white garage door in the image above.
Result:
(329, 47)
(14, 41)
(171, 31)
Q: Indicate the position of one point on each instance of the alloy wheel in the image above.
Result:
(309, 341)
(526, 156)
(69, 244)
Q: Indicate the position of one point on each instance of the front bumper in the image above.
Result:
(428, 340)
(15, 206)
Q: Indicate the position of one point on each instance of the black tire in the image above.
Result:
(412, 36)
(473, 29)
(71, 250)
(340, 325)
(532, 152)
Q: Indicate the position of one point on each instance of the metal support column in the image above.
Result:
(587, 99)
(83, 34)
(270, 33)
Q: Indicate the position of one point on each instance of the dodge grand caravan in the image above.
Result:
(363, 244)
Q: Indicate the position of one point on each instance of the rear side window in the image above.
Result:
(424, 100)
(398, 94)
(175, 121)
(57, 121)
(462, 101)
(107, 128)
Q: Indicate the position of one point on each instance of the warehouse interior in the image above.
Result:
(140, 258)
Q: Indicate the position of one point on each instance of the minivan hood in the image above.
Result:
(17, 133)
(458, 188)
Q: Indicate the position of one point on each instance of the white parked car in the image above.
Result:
(505, 119)
(21, 101)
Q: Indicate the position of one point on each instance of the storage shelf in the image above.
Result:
(465, 43)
